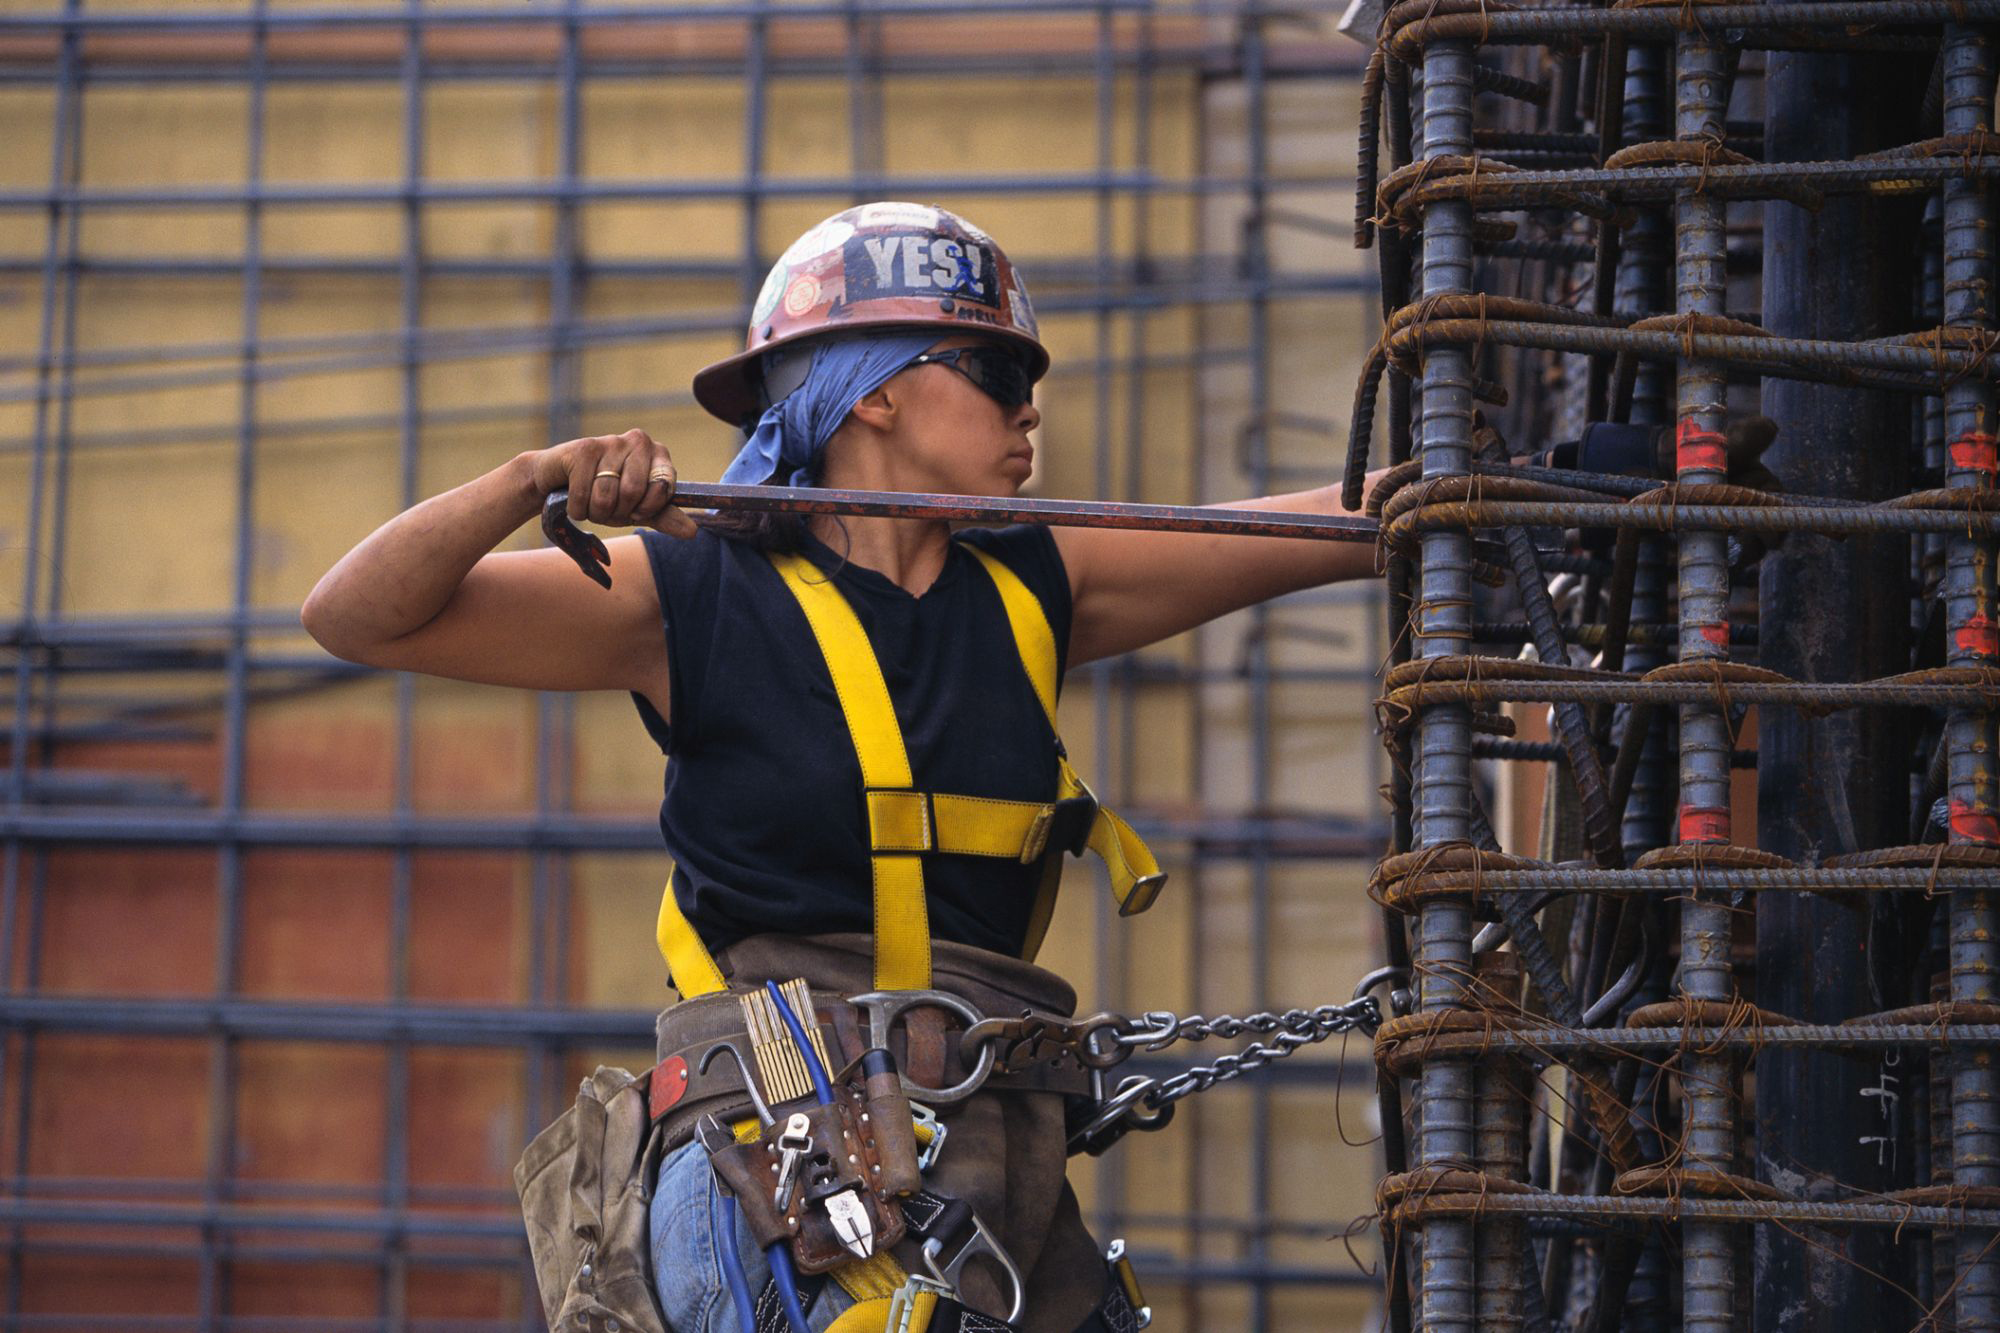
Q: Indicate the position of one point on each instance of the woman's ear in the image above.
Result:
(878, 409)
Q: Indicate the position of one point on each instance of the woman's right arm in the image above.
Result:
(427, 592)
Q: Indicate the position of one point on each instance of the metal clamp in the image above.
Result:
(927, 1151)
(1119, 1261)
(1030, 1037)
(903, 1302)
(885, 1007)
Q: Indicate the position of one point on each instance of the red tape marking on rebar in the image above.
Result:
(1978, 635)
(1976, 451)
(1973, 824)
(1698, 450)
(1715, 634)
(1704, 824)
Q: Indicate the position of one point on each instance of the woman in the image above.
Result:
(892, 349)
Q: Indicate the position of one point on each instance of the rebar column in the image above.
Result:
(1443, 627)
(1701, 98)
(1970, 639)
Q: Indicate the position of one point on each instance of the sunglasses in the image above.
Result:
(998, 372)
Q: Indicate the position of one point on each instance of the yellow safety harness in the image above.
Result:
(905, 824)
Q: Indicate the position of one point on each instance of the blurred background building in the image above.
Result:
(295, 957)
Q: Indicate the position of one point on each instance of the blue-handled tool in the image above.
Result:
(845, 1210)
(733, 1275)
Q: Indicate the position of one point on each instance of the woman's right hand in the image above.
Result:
(614, 480)
(428, 592)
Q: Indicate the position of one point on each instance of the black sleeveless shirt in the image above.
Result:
(763, 813)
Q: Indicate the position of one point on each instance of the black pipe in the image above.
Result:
(1831, 610)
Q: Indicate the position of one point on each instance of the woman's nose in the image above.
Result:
(1027, 417)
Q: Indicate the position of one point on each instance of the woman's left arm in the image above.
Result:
(1131, 588)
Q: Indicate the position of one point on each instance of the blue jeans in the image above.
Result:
(687, 1255)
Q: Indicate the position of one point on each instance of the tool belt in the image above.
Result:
(1006, 1156)
(925, 1031)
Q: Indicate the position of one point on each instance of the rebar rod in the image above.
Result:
(1970, 633)
(1701, 94)
(1443, 626)
(1027, 509)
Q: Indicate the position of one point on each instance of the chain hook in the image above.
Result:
(1400, 1000)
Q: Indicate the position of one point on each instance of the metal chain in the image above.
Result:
(1294, 1030)
(1147, 1103)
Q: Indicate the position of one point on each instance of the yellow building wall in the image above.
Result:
(148, 521)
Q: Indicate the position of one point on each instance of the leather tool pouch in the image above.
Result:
(844, 1155)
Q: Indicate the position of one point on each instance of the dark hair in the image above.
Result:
(766, 529)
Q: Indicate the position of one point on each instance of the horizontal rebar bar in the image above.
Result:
(1527, 1038)
(1732, 23)
(1688, 1207)
(578, 191)
(1825, 520)
(1331, 837)
(1024, 509)
(280, 20)
(1816, 879)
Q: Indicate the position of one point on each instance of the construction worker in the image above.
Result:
(789, 665)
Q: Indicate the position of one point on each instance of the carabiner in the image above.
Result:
(980, 1242)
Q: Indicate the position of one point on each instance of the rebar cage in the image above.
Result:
(1734, 1069)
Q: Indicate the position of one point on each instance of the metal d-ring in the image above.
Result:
(884, 1007)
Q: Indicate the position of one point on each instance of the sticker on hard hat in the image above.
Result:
(802, 295)
(767, 296)
(920, 264)
(1023, 308)
(828, 235)
(892, 214)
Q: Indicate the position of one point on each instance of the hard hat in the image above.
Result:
(878, 266)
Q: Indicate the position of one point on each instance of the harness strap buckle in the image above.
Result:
(1070, 820)
(1144, 890)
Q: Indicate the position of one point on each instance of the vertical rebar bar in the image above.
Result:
(1643, 290)
(1500, 1147)
(1701, 98)
(1257, 269)
(1111, 683)
(1944, 1249)
(1443, 627)
(59, 269)
(410, 279)
(1970, 633)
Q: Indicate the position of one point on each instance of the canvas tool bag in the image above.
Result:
(585, 1185)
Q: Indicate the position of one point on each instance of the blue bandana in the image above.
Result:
(794, 431)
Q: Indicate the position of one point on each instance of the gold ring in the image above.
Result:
(611, 472)
(660, 474)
